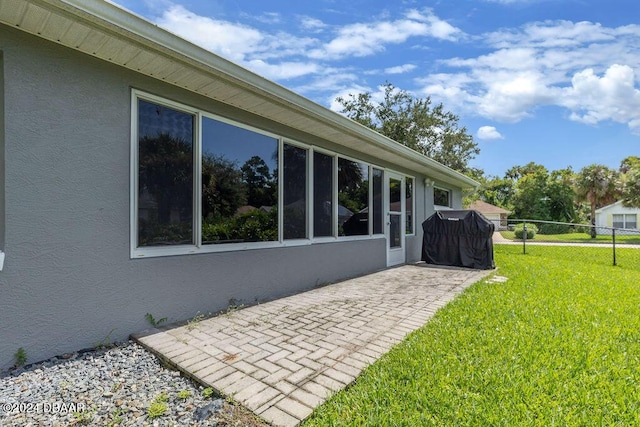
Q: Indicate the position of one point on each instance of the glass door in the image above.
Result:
(395, 224)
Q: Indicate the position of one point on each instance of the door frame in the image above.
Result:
(395, 255)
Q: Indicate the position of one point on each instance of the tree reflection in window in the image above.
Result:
(409, 205)
(322, 195)
(165, 175)
(378, 201)
(353, 198)
(294, 190)
(441, 197)
(239, 184)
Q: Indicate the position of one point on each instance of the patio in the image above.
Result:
(283, 358)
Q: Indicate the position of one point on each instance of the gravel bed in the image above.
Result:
(119, 386)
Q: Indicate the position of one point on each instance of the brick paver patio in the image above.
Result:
(283, 358)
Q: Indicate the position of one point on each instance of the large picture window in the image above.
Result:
(239, 184)
(323, 217)
(353, 198)
(378, 201)
(165, 175)
(294, 192)
(206, 183)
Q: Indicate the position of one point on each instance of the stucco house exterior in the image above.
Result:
(617, 215)
(144, 174)
(495, 214)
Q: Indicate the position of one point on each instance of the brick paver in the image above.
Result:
(283, 358)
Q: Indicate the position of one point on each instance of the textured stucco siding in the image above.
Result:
(68, 279)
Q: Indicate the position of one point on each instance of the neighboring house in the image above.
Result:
(495, 214)
(131, 159)
(618, 216)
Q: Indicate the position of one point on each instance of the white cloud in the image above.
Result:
(282, 70)
(583, 67)
(363, 39)
(488, 132)
(400, 69)
(593, 99)
(233, 41)
(242, 43)
(312, 24)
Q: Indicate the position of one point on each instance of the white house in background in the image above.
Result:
(495, 214)
(618, 216)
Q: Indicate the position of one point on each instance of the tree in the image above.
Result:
(416, 123)
(542, 195)
(223, 190)
(261, 184)
(630, 181)
(497, 191)
(597, 185)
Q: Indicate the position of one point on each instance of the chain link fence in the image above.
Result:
(534, 236)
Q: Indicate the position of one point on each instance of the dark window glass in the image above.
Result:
(441, 197)
(409, 205)
(618, 220)
(394, 230)
(353, 198)
(378, 196)
(630, 221)
(239, 184)
(165, 175)
(294, 190)
(322, 195)
(395, 195)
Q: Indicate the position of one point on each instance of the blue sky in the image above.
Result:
(551, 81)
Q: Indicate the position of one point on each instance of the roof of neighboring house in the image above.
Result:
(487, 208)
(615, 205)
(109, 32)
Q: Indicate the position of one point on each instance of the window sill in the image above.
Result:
(153, 252)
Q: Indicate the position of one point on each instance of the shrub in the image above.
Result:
(531, 231)
(554, 229)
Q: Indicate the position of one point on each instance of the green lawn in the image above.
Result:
(576, 238)
(558, 344)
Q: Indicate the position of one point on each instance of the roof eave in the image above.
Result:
(107, 16)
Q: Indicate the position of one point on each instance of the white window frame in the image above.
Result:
(197, 248)
(413, 205)
(442, 207)
(335, 195)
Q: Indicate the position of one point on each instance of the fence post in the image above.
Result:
(524, 238)
(613, 233)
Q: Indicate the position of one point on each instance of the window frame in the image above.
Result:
(139, 252)
(635, 221)
(448, 191)
(413, 204)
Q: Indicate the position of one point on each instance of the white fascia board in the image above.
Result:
(106, 15)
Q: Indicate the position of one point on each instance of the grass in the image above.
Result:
(576, 238)
(557, 344)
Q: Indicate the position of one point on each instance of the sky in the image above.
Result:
(556, 82)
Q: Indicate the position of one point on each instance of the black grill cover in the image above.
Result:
(458, 238)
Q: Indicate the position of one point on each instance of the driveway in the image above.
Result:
(283, 358)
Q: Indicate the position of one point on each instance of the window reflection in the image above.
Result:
(353, 198)
(409, 205)
(239, 184)
(165, 175)
(378, 201)
(295, 192)
(322, 195)
(440, 197)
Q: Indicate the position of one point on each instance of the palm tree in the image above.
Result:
(596, 184)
